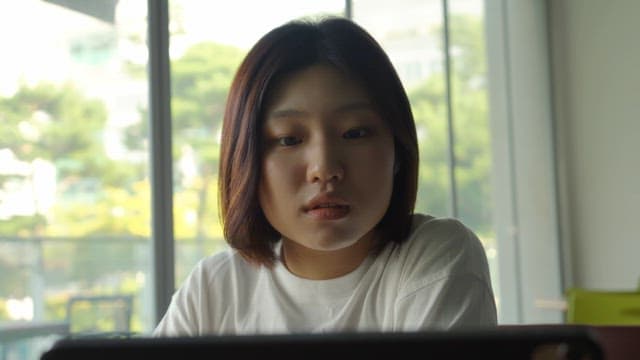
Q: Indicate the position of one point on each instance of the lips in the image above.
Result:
(329, 212)
(327, 207)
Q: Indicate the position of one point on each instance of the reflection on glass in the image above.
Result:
(208, 41)
(74, 191)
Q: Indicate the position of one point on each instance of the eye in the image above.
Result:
(356, 133)
(288, 141)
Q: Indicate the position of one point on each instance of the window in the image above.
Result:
(76, 184)
(448, 95)
(74, 192)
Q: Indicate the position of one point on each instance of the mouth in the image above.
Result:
(327, 208)
(329, 211)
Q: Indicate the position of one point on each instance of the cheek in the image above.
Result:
(374, 173)
(377, 160)
(277, 175)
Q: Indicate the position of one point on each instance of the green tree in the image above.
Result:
(57, 124)
(471, 129)
(200, 81)
(60, 126)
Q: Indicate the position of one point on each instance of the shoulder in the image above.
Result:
(441, 235)
(442, 276)
(437, 248)
(220, 269)
(214, 285)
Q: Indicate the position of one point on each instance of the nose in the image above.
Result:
(324, 163)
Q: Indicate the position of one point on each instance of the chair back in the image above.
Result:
(102, 314)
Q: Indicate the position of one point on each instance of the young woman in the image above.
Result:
(318, 180)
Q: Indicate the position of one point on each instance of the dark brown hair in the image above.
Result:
(290, 47)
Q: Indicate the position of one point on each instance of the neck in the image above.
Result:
(323, 265)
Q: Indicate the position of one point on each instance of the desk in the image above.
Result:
(619, 342)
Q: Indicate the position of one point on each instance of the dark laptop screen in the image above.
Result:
(494, 343)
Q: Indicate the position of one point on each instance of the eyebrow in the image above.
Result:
(345, 108)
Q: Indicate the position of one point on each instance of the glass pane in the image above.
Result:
(472, 146)
(74, 188)
(208, 41)
(415, 46)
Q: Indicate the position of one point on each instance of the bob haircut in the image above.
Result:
(285, 49)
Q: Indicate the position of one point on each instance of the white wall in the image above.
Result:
(595, 56)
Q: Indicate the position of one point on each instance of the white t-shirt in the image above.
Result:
(437, 279)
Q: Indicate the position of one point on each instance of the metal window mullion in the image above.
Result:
(160, 156)
(518, 271)
(450, 127)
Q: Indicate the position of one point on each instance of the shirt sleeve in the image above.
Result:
(181, 317)
(178, 319)
(455, 301)
(447, 282)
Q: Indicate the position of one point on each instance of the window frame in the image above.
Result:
(162, 237)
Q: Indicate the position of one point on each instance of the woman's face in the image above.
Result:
(327, 163)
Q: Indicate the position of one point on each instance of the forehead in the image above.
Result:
(317, 88)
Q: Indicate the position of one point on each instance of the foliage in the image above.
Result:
(471, 129)
(4, 314)
(201, 80)
(58, 125)
(23, 225)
